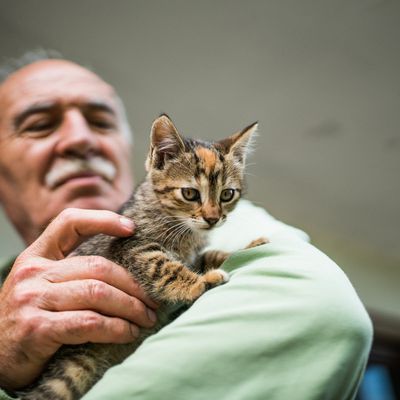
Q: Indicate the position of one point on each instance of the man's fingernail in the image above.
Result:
(134, 331)
(152, 315)
(128, 223)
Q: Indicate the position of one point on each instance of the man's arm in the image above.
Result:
(48, 299)
(288, 325)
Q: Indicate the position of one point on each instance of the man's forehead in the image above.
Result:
(54, 81)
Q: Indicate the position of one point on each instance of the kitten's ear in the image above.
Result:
(239, 144)
(165, 142)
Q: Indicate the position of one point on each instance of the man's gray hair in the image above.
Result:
(11, 65)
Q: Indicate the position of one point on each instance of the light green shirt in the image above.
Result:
(288, 325)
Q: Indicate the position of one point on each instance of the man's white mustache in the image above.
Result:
(65, 168)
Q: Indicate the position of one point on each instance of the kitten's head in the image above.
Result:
(197, 181)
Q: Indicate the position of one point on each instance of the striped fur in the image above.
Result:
(163, 253)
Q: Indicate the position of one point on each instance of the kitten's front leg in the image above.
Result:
(168, 280)
(257, 242)
(211, 259)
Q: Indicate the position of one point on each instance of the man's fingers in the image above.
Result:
(72, 226)
(99, 268)
(91, 294)
(77, 327)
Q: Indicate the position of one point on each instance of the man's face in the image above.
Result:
(60, 144)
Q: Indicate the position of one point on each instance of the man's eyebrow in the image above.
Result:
(32, 109)
(50, 106)
(99, 106)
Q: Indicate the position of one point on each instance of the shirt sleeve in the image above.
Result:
(287, 325)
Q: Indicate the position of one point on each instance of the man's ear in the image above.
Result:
(165, 143)
(239, 144)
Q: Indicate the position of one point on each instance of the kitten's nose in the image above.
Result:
(211, 221)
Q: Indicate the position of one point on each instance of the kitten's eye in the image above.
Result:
(227, 194)
(190, 194)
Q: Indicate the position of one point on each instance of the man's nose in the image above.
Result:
(76, 136)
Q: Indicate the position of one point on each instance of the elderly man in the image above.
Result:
(287, 325)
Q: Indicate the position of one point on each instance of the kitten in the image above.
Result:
(190, 188)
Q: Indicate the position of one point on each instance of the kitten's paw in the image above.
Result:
(207, 281)
(257, 242)
(216, 277)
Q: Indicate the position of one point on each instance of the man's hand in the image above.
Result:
(49, 300)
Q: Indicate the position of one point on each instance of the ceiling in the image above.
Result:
(321, 77)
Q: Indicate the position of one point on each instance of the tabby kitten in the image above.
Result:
(190, 188)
